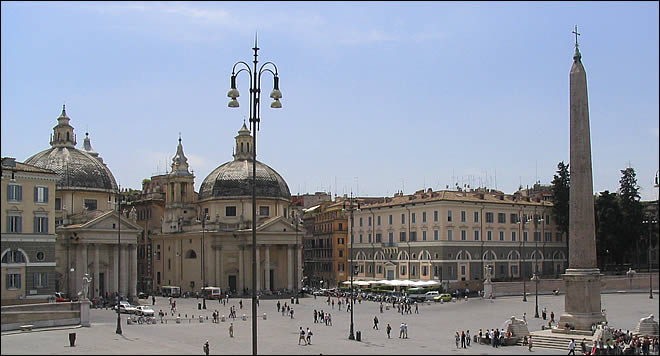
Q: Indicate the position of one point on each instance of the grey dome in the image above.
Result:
(75, 169)
(234, 178)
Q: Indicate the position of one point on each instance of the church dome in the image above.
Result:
(76, 169)
(234, 178)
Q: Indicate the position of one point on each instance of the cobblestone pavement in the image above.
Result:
(430, 332)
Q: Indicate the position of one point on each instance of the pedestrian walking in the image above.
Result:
(457, 338)
(544, 312)
(153, 300)
(525, 318)
(401, 331)
(375, 323)
(529, 342)
(240, 303)
(278, 305)
(231, 329)
(571, 347)
(206, 347)
(291, 313)
(381, 307)
(309, 337)
(416, 308)
(333, 304)
(463, 339)
(405, 331)
(467, 337)
(329, 319)
(315, 316)
(302, 336)
(552, 317)
(388, 328)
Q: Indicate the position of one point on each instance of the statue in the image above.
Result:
(488, 272)
(132, 214)
(85, 287)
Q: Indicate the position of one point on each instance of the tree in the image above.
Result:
(610, 244)
(631, 209)
(560, 198)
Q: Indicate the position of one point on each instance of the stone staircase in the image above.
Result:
(548, 340)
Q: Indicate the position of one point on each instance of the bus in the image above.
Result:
(170, 291)
(211, 293)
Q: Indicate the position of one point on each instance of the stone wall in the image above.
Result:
(41, 315)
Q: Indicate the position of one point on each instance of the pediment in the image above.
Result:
(278, 224)
(109, 221)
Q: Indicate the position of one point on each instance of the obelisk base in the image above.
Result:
(582, 306)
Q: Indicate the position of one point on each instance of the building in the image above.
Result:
(453, 235)
(207, 239)
(87, 222)
(326, 260)
(310, 200)
(28, 231)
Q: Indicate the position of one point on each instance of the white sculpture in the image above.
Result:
(85, 287)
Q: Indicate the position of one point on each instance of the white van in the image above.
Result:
(431, 294)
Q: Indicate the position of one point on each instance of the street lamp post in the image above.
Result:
(118, 331)
(521, 226)
(255, 95)
(649, 220)
(351, 335)
(203, 267)
(535, 279)
(536, 263)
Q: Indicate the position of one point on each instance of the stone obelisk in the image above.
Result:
(582, 278)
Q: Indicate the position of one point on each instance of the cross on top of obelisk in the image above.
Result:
(576, 36)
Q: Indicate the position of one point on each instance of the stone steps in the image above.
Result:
(552, 342)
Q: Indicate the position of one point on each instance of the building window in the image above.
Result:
(14, 192)
(450, 234)
(449, 216)
(40, 279)
(391, 237)
(40, 194)
(13, 256)
(369, 238)
(390, 219)
(14, 223)
(58, 204)
(413, 236)
(13, 280)
(435, 235)
(379, 220)
(501, 235)
(403, 218)
(490, 235)
(425, 270)
(413, 218)
(403, 270)
(513, 218)
(435, 215)
(501, 218)
(341, 252)
(513, 236)
(402, 236)
(40, 256)
(547, 219)
(230, 211)
(91, 204)
(558, 236)
(379, 268)
(264, 211)
(476, 216)
(191, 254)
(525, 235)
(463, 216)
(476, 235)
(360, 238)
(369, 221)
(537, 235)
(379, 237)
(423, 216)
(489, 217)
(463, 235)
(413, 270)
(41, 224)
(360, 221)
(424, 235)
(341, 226)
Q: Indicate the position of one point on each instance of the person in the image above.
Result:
(161, 314)
(552, 316)
(405, 331)
(388, 328)
(206, 347)
(302, 336)
(529, 343)
(381, 307)
(291, 313)
(525, 318)
(463, 339)
(583, 347)
(333, 304)
(401, 331)
(315, 315)
(571, 347)
(240, 303)
(309, 337)
(375, 323)
(339, 304)
(416, 308)
(544, 313)
(457, 338)
(329, 319)
(467, 337)
(278, 305)
(231, 329)
(153, 300)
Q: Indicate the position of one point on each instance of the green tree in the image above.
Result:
(610, 246)
(561, 184)
(631, 209)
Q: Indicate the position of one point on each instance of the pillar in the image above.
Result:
(123, 276)
(289, 267)
(267, 267)
(96, 281)
(299, 268)
(78, 274)
(216, 267)
(259, 269)
(133, 285)
(241, 271)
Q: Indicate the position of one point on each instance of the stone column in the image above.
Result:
(115, 268)
(289, 267)
(216, 267)
(241, 271)
(582, 302)
(259, 269)
(267, 267)
(133, 285)
(123, 276)
(97, 269)
(298, 268)
(78, 274)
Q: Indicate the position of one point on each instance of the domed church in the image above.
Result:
(86, 218)
(207, 240)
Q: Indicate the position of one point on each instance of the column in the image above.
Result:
(123, 276)
(78, 274)
(133, 286)
(115, 269)
(221, 270)
(96, 282)
(267, 268)
(259, 270)
(299, 268)
(241, 271)
(289, 267)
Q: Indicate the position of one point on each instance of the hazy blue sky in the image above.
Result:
(377, 97)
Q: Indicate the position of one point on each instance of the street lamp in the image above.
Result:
(535, 279)
(118, 331)
(255, 95)
(203, 272)
(649, 220)
(521, 227)
(351, 335)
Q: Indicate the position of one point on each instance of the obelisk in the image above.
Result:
(582, 278)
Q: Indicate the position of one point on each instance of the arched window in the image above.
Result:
(191, 254)
(13, 256)
(536, 254)
(403, 255)
(489, 255)
(463, 255)
(558, 255)
(241, 146)
(513, 255)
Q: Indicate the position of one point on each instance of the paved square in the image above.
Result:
(430, 332)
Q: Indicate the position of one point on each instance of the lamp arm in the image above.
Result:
(263, 69)
(233, 69)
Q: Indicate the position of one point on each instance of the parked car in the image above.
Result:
(125, 307)
(61, 297)
(144, 310)
(444, 297)
(143, 295)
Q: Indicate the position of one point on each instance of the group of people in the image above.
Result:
(463, 339)
(285, 309)
(322, 317)
(306, 337)
(624, 343)
(494, 337)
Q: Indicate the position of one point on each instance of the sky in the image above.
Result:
(378, 97)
